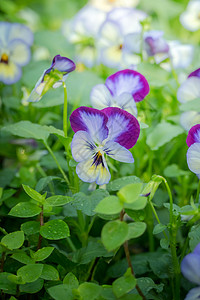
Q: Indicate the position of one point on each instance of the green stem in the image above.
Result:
(65, 110)
(73, 248)
(57, 163)
(198, 190)
(150, 226)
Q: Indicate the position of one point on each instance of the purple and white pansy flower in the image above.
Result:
(193, 153)
(190, 267)
(111, 131)
(122, 89)
(190, 90)
(15, 42)
(52, 77)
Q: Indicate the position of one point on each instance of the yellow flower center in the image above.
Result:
(4, 58)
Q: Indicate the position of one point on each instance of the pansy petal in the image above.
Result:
(126, 102)
(100, 96)
(21, 53)
(63, 64)
(10, 73)
(123, 127)
(128, 81)
(195, 73)
(111, 56)
(110, 34)
(193, 294)
(189, 119)
(118, 152)
(82, 146)
(193, 135)
(91, 120)
(197, 250)
(190, 267)
(189, 90)
(20, 31)
(89, 172)
(193, 158)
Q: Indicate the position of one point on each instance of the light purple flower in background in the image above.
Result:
(193, 153)
(52, 77)
(181, 54)
(122, 89)
(82, 31)
(188, 91)
(107, 5)
(15, 42)
(190, 17)
(111, 131)
(190, 267)
(112, 37)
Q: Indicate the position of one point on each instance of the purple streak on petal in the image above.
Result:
(193, 294)
(155, 42)
(195, 73)
(123, 127)
(91, 120)
(190, 267)
(128, 81)
(193, 135)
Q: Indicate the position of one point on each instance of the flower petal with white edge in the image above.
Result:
(123, 127)
(193, 135)
(126, 102)
(193, 294)
(128, 81)
(88, 171)
(189, 119)
(118, 152)
(20, 52)
(189, 90)
(190, 267)
(100, 96)
(181, 55)
(20, 31)
(63, 64)
(91, 120)
(82, 146)
(10, 73)
(193, 158)
(195, 73)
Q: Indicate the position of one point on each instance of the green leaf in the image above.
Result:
(124, 284)
(13, 240)
(33, 194)
(49, 273)
(191, 105)
(23, 258)
(118, 183)
(140, 203)
(136, 229)
(164, 243)
(6, 285)
(15, 279)
(155, 75)
(89, 290)
(161, 134)
(43, 253)
(29, 130)
(174, 171)
(25, 210)
(114, 234)
(30, 227)
(71, 280)
(109, 206)
(159, 228)
(58, 200)
(43, 182)
(55, 230)
(61, 292)
(194, 236)
(146, 284)
(32, 287)
(30, 273)
(130, 192)
(86, 203)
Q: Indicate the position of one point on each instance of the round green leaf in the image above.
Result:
(89, 290)
(109, 206)
(55, 230)
(25, 210)
(49, 273)
(114, 234)
(71, 280)
(13, 240)
(124, 284)
(130, 192)
(140, 203)
(61, 292)
(136, 229)
(30, 273)
(32, 287)
(30, 227)
(58, 200)
(43, 253)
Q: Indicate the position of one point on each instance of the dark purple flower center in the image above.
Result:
(98, 159)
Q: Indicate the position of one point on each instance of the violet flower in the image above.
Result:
(15, 42)
(111, 131)
(122, 89)
(52, 77)
(193, 153)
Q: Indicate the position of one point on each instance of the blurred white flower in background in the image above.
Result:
(190, 18)
(108, 5)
